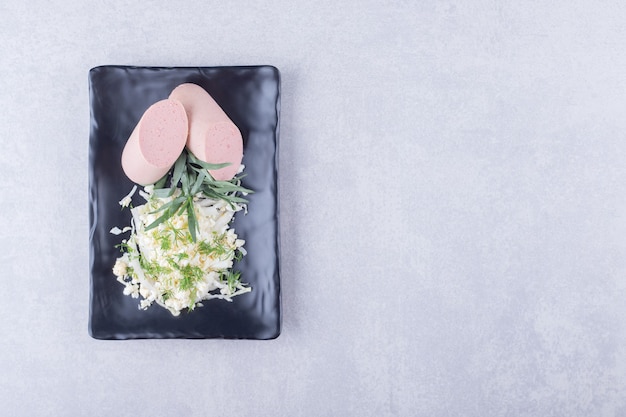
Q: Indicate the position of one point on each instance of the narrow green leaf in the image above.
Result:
(158, 221)
(206, 165)
(193, 224)
(235, 199)
(198, 183)
(184, 182)
(227, 186)
(175, 202)
(179, 168)
(209, 192)
(160, 183)
(181, 209)
(163, 192)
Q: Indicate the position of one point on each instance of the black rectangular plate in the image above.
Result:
(251, 97)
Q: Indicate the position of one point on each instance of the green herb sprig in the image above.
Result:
(190, 175)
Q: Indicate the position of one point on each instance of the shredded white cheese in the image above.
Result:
(165, 266)
(125, 202)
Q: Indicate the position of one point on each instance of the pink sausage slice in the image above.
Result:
(156, 142)
(213, 137)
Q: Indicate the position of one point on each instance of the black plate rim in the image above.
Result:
(93, 224)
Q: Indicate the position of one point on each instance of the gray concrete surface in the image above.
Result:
(453, 184)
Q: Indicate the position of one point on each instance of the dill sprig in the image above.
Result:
(191, 176)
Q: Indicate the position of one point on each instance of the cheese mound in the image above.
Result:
(164, 265)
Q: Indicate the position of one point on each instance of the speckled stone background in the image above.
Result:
(453, 185)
